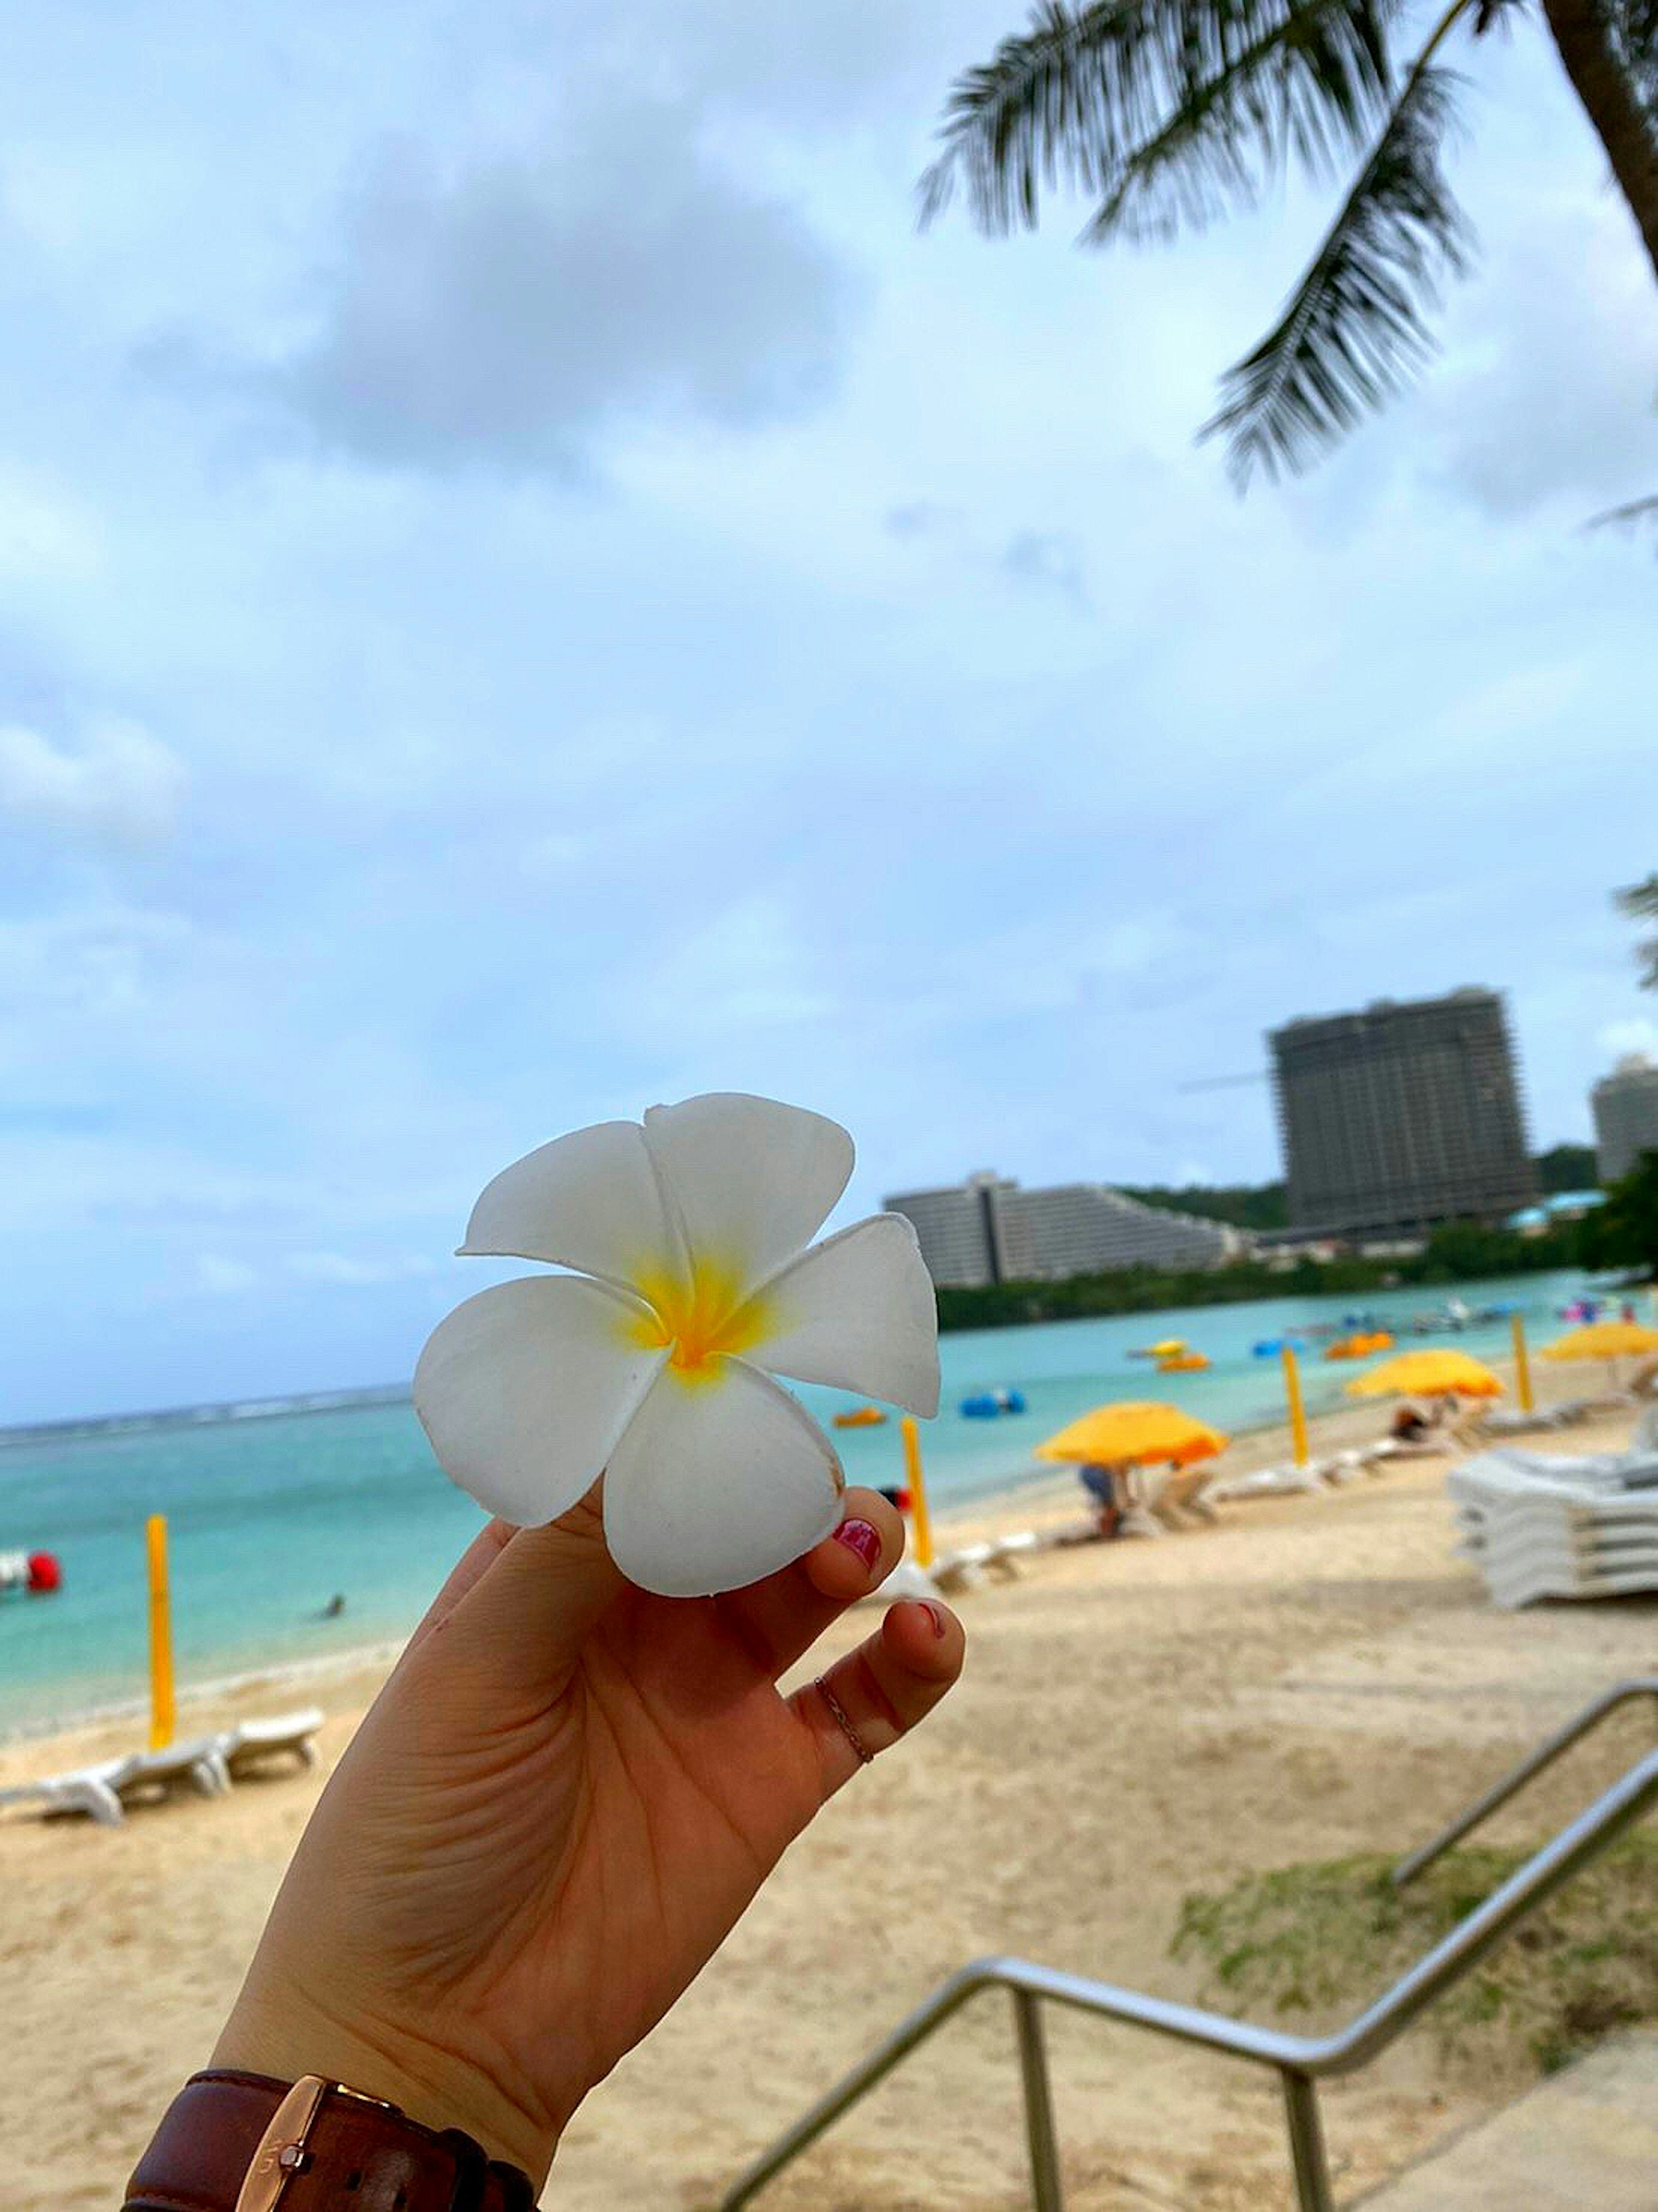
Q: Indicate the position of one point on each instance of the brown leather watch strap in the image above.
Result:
(346, 2152)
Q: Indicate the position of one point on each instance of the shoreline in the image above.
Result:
(1037, 1493)
(280, 1673)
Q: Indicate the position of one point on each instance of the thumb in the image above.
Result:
(519, 1629)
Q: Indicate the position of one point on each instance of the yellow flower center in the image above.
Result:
(704, 1318)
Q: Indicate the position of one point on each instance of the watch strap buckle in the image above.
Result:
(282, 2152)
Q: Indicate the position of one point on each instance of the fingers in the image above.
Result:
(521, 1623)
(479, 1555)
(783, 1616)
(878, 1692)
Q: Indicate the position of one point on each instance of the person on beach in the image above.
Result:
(565, 1795)
(1411, 1425)
(1100, 1484)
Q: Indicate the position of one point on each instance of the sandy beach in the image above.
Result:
(1311, 1677)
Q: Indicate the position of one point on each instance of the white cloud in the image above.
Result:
(1555, 396)
(1639, 1035)
(47, 535)
(338, 1267)
(219, 1277)
(96, 964)
(121, 787)
(1049, 559)
(506, 313)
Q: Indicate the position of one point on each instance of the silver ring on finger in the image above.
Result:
(838, 1715)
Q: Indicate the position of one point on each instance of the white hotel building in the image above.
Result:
(988, 1229)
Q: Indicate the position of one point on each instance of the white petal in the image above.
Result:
(524, 1389)
(857, 1310)
(591, 1200)
(753, 1180)
(721, 1478)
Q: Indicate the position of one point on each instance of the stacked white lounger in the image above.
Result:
(1540, 1526)
(206, 1764)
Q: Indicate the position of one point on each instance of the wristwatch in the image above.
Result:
(243, 2143)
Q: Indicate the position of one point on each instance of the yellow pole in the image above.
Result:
(1522, 1363)
(1297, 1411)
(161, 1635)
(912, 1437)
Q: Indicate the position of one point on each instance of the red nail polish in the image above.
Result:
(862, 1537)
(937, 1615)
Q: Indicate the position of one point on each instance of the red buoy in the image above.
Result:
(45, 1573)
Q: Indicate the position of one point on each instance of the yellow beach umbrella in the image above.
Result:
(1134, 1433)
(1428, 1375)
(1603, 1340)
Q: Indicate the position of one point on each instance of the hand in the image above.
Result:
(562, 1801)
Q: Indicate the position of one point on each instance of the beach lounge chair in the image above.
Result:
(1284, 1481)
(967, 1567)
(1184, 1496)
(1349, 1465)
(1024, 1543)
(104, 1791)
(1142, 1490)
(1538, 1528)
(251, 1745)
(961, 1568)
(1483, 1420)
(1386, 1448)
(906, 1580)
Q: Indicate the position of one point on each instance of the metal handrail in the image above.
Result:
(1300, 2061)
(1621, 1693)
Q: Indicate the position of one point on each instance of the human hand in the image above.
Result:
(562, 1801)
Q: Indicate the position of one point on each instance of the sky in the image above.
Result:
(528, 588)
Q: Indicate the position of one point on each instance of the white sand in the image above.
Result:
(1315, 1676)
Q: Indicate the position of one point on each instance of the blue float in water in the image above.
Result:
(988, 1404)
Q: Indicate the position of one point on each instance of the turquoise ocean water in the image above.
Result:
(271, 1512)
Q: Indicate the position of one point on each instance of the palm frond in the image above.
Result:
(1354, 333)
(1309, 85)
(1640, 901)
(1632, 514)
(1634, 27)
(1208, 94)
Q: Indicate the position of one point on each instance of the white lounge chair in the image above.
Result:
(251, 1744)
(1428, 1447)
(1511, 1421)
(966, 1567)
(1537, 1527)
(906, 1580)
(1284, 1481)
(105, 1791)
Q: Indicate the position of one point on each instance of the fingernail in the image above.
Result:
(862, 1537)
(937, 1615)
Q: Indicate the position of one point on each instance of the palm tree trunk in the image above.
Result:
(1612, 106)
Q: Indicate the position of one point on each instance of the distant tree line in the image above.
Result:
(1263, 1205)
(1244, 1205)
(1623, 1234)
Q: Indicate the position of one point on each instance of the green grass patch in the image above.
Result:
(1318, 1941)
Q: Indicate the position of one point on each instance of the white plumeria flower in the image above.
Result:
(653, 1364)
